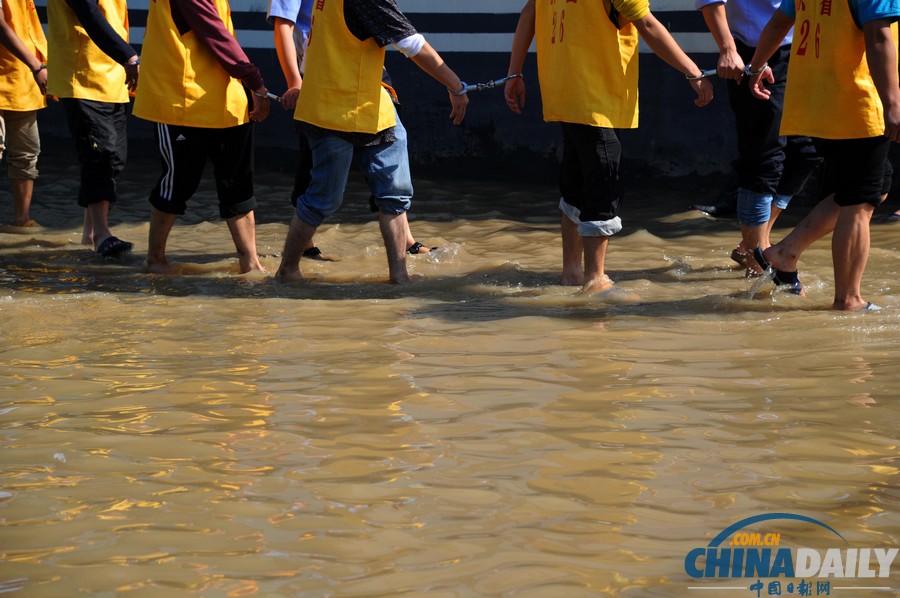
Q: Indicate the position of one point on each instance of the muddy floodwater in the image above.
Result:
(482, 432)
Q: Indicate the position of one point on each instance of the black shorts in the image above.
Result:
(184, 151)
(590, 174)
(101, 144)
(857, 171)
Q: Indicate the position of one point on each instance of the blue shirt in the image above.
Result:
(299, 12)
(747, 18)
(863, 11)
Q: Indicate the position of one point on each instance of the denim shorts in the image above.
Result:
(386, 167)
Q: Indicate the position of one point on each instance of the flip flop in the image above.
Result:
(787, 281)
(740, 258)
(114, 247)
(871, 307)
(417, 247)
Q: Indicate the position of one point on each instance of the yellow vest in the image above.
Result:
(76, 67)
(19, 92)
(830, 93)
(342, 88)
(588, 69)
(181, 81)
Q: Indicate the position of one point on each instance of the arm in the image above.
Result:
(664, 45)
(730, 65)
(431, 62)
(882, 59)
(770, 40)
(514, 91)
(14, 44)
(287, 58)
(106, 38)
(203, 18)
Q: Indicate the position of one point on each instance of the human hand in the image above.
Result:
(757, 83)
(459, 104)
(132, 70)
(730, 66)
(289, 98)
(514, 93)
(40, 77)
(704, 90)
(260, 109)
(892, 122)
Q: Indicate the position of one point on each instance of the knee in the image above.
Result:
(22, 166)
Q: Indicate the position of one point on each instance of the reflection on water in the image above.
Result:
(481, 432)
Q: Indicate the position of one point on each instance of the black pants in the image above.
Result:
(184, 151)
(591, 171)
(768, 162)
(101, 144)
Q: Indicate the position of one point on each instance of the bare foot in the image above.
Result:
(854, 305)
(251, 265)
(288, 275)
(603, 288)
(162, 268)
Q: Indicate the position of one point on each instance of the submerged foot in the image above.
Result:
(604, 288)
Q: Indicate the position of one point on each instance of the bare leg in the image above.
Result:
(243, 233)
(300, 235)
(87, 232)
(850, 253)
(22, 190)
(395, 231)
(776, 212)
(160, 227)
(595, 278)
(99, 212)
(410, 240)
(573, 253)
(752, 237)
(785, 254)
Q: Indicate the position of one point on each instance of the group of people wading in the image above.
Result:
(832, 97)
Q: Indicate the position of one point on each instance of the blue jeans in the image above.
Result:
(386, 167)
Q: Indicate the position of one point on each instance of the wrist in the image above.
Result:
(133, 61)
(38, 69)
(262, 92)
(460, 91)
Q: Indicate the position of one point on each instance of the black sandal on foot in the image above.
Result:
(787, 281)
(417, 248)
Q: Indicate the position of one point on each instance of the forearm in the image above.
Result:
(664, 45)
(430, 61)
(522, 39)
(881, 56)
(771, 38)
(100, 31)
(12, 42)
(287, 53)
(203, 18)
(717, 23)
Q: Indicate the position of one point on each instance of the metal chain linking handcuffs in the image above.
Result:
(465, 89)
(482, 86)
(748, 72)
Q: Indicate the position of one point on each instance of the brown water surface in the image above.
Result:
(482, 432)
